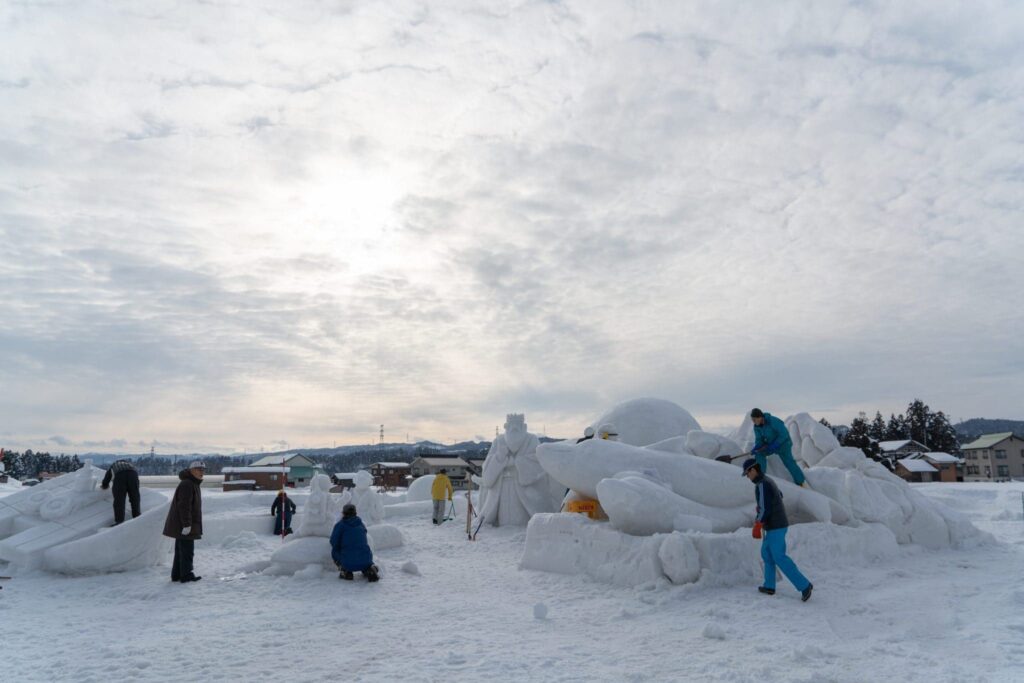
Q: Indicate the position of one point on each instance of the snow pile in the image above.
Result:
(676, 513)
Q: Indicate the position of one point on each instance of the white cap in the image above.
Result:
(197, 465)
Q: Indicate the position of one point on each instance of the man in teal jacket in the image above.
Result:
(771, 436)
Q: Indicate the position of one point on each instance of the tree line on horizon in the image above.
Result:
(920, 423)
(29, 465)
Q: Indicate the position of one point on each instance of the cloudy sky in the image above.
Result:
(227, 226)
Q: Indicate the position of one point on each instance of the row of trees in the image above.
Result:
(919, 422)
(29, 465)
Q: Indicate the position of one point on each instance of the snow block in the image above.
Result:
(574, 544)
(135, 544)
(644, 421)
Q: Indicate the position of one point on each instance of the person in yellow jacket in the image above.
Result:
(441, 490)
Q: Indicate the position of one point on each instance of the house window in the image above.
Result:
(273, 477)
(1000, 455)
(988, 471)
(1003, 470)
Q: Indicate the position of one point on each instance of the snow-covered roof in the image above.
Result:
(935, 456)
(243, 482)
(445, 462)
(890, 446)
(987, 440)
(254, 469)
(268, 460)
(345, 475)
(392, 464)
(916, 465)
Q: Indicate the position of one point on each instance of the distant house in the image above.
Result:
(301, 468)
(390, 475)
(949, 467)
(994, 457)
(344, 479)
(912, 469)
(457, 468)
(46, 476)
(253, 478)
(901, 448)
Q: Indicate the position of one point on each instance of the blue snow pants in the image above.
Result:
(773, 552)
(786, 454)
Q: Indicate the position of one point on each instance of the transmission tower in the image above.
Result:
(382, 435)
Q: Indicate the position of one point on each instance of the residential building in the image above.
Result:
(254, 478)
(949, 467)
(390, 475)
(300, 468)
(457, 468)
(914, 470)
(895, 450)
(994, 457)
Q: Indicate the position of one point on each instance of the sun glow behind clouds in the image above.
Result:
(431, 215)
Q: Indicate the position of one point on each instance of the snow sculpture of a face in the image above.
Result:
(363, 480)
(515, 431)
(83, 478)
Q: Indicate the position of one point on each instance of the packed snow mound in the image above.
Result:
(644, 421)
(855, 509)
(419, 489)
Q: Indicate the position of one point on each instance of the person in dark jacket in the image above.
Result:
(771, 436)
(185, 521)
(772, 523)
(126, 484)
(350, 548)
(284, 508)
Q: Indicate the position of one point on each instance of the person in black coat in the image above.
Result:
(185, 521)
(126, 484)
(283, 507)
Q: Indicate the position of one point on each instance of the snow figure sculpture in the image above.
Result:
(515, 486)
(308, 553)
(369, 505)
(318, 515)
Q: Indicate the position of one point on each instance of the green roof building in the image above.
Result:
(302, 468)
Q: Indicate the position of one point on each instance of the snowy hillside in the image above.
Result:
(471, 614)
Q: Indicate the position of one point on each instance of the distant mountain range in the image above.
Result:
(969, 430)
(387, 450)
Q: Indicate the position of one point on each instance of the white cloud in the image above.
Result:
(222, 223)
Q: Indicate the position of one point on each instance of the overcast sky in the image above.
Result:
(225, 227)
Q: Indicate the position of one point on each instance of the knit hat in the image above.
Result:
(756, 412)
(197, 465)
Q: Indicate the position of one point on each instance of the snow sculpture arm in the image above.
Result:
(528, 469)
(495, 463)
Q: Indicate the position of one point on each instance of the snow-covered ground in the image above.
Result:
(952, 615)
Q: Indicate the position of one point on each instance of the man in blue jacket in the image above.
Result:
(771, 436)
(772, 523)
(350, 548)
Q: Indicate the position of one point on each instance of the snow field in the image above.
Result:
(464, 611)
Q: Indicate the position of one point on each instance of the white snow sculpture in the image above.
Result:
(309, 551)
(643, 421)
(515, 486)
(319, 514)
(369, 504)
(419, 489)
(63, 525)
(676, 514)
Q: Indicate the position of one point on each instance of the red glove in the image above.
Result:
(756, 533)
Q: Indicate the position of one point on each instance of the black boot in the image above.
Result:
(766, 591)
(371, 573)
(347, 575)
(806, 594)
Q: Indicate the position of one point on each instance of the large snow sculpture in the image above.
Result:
(676, 513)
(63, 525)
(515, 486)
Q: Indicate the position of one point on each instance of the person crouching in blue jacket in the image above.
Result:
(773, 523)
(350, 549)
